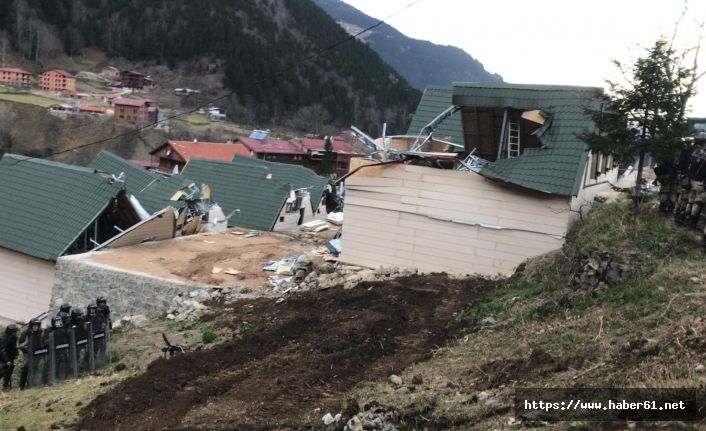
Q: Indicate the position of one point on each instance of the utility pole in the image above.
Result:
(4, 42)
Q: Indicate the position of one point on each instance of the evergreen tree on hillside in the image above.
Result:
(648, 114)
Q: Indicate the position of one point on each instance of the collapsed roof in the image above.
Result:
(557, 166)
(46, 206)
(297, 176)
(251, 191)
(150, 188)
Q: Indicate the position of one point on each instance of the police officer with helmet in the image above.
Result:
(8, 354)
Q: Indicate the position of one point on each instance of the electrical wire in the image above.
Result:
(225, 96)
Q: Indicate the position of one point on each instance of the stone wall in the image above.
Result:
(79, 281)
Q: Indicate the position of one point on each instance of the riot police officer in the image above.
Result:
(32, 340)
(65, 308)
(8, 354)
(98, 327)
(78, 324)
(667, 177)
(60, 333)
(104, 310)
(697, 175)
(683, 185)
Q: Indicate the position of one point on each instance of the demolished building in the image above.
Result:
(530, 175)
(260, 194)
(49, 210)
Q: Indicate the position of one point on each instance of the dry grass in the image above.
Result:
(40, 409)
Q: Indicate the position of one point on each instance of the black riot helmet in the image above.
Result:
(65, 317)
(101, 301)
(57, 322)
(35, 322)
(65, 308)
(92, 309)
(76, 315)
(11, 329)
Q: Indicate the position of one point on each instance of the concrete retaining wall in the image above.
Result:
(79, 281)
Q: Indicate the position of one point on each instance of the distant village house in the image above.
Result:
(275, 150)
(57, 80)
(110, 72)
(133, 79)
(15, 76)
(138, 111)
(342, 154)
(173, 154)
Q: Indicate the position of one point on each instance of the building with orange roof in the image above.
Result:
(178, 153)
(57, 80)
(15, 76)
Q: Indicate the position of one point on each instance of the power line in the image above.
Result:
(227, 95)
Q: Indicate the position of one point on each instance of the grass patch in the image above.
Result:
(31, 99)
(39, 409)
(208, 336)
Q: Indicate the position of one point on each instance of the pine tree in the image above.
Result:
(648, 114)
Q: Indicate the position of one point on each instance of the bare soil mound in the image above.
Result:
(290, 358)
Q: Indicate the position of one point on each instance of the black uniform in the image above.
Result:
(8, 354)
(104, 311)
(98, 327)
(78, 323)
(34, 341)
(62, 338)
(684, 185)
(667, 176)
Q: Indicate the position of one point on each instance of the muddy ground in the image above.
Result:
(292, 361)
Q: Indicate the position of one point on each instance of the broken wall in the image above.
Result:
(25, 285)
(444, 220)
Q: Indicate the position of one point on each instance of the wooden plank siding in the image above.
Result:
(25, 285)
(391, 221)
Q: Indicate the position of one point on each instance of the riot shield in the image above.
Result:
(36, 364)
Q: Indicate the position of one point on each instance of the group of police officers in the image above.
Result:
(94, 321)
(681, 184)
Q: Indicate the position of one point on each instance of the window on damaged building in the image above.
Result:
(599, 165)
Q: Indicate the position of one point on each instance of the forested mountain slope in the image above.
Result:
(270, 52)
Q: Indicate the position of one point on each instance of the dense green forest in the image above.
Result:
(271, 51)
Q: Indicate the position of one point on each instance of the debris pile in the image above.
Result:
(375, 417)
(189, 306)
(319, 269)
(602, 269)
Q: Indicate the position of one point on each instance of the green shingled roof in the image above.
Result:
(556, 168)
(436, 100)
(298, 176)
(136, 178)
(45, 206)
(150, 188)
(156, 196)
(245, 188)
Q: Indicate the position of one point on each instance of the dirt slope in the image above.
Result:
(291, 362)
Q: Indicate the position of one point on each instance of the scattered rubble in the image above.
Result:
(375, 417)
(603, 269)
(320, 269)
(138, 321)
(189, 306)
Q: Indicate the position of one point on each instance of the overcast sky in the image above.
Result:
(548, 41)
